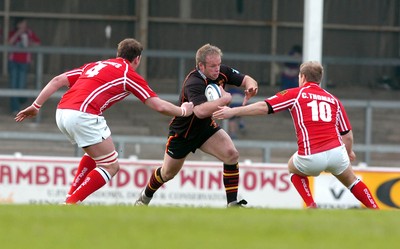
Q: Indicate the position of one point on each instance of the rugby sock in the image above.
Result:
(362, 193)
(86, 165)
(96, 179)
(155, 183)
(303, 188)
(231, 181)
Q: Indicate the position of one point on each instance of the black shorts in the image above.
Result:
(179, 147)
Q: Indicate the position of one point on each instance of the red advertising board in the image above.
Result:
(37, 180)
(45, 180)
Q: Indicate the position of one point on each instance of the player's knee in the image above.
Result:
(109, 162)
(232, 155)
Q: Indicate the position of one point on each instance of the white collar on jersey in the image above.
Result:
(202, 74)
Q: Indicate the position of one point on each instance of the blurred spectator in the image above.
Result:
(18, 62)
(290, 71)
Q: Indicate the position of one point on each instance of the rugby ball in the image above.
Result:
(212, 92)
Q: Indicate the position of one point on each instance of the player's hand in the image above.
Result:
(223, 112)
(352, 156)
(249, 93)
(187, 108)
(28, 112)
(226, 96)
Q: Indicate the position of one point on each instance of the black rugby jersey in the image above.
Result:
(193, 90)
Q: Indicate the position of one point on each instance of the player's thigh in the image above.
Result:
(81, 128)
(338, 160)
(292, 168)
(221, 146)
(347, 177)
(103, 148)
(105, 155)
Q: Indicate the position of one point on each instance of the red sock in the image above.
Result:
(303, 188)
(96, 179)
(362, 193)
(86, 165)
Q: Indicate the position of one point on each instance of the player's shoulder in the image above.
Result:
(228, 70)
(194, 78)
(224, 68)
(135, 77)
(290, 91)
(331, 95)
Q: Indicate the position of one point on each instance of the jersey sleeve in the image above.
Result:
(282, 100)
(139, 87)
(234, 77)
(343, 120)
(74, 74)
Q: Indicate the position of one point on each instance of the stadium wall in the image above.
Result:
(367, 30)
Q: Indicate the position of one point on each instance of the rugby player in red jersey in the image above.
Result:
(93, 88)
(323, 130)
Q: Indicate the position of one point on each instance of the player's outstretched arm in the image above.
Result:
(258, 108)
(169, 109)
(51, 87)
(206, 109)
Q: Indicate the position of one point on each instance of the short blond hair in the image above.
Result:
(206, 50)
(312, 70)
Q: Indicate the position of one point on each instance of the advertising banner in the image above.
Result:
(384, 184)
(46, 180)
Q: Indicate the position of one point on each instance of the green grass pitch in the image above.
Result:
(119, 227)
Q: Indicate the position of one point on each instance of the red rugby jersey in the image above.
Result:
(96, 86)
(318, 117)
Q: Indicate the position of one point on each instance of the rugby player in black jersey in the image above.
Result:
(199, 130)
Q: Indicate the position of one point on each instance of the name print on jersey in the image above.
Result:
(317, 97)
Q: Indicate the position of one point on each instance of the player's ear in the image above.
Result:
(302, 78)
(201, 65)
(138, 58)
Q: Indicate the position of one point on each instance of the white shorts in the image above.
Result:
(83, 129)
(334, 161)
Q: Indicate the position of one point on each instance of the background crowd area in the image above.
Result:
(361, 49)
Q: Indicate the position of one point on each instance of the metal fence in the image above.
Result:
(368, 105)
(183, 57)
(266, 146)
